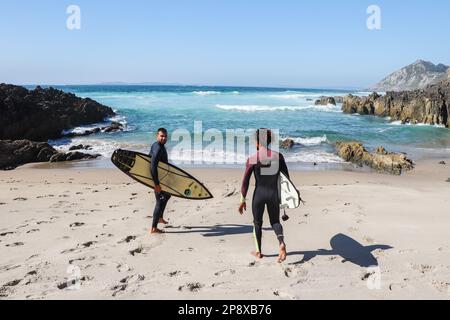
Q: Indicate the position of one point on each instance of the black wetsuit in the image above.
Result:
(158, 153)
(266, 191)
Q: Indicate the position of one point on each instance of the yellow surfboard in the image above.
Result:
(173, 180)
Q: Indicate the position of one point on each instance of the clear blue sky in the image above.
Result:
(219, 42)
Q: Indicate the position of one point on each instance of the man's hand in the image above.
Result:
(158, 188)
(242, 207)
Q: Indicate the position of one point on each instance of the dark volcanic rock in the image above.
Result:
(43, 114)
(19, 152)
(80, 147)
(72, 156)
(429, 106)
(113, 127)
(381, 160)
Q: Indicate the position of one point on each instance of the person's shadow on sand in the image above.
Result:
(349, 249)
(219, 230)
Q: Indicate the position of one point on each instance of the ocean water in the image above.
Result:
(143, 109)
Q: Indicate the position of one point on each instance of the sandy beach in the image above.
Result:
(57, 223)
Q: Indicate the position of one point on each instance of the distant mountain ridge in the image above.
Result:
(417, 75)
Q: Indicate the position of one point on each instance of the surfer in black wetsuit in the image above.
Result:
(158, 153)
(266, 166)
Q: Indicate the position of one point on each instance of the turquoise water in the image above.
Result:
(314, 128)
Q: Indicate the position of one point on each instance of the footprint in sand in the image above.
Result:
(442, 286)
(192, 287)
(136, 251)
(423, 268)
(118, 288)
(42, 222)
(128, 239)
(109, 235)
(2, 203)
(176, 273)
(125, 282)
(81, 214)
(15, 244)
(396, 286)
(284, 295)
(77, 224)
(78, 259)
(6, 289)
(5, 234)
(67, 284)
(33, 256)
(122, 267)
(225, 272)
(294, 271)
(87, 244)
(33, 230)
(20, 199)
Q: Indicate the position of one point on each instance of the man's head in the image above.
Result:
(161, 135)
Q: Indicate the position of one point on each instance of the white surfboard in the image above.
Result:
(289, 196)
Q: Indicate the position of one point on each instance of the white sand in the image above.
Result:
(51, 219)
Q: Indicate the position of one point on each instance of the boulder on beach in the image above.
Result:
(19, 152)
(382, 160)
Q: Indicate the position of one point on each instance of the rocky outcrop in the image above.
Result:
(19, 152)
(72, 156)
(339, 99)
(323, 101)
(113, 127)
(429, 106)
(80, 147)
(381, 160)
(415, 76)
(43, 114)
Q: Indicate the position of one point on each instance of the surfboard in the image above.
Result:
(173, 180)
(289, 196)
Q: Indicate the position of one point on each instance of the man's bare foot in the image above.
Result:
(156, 231)
(163, 221)
(257, 254)
(282, 255)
